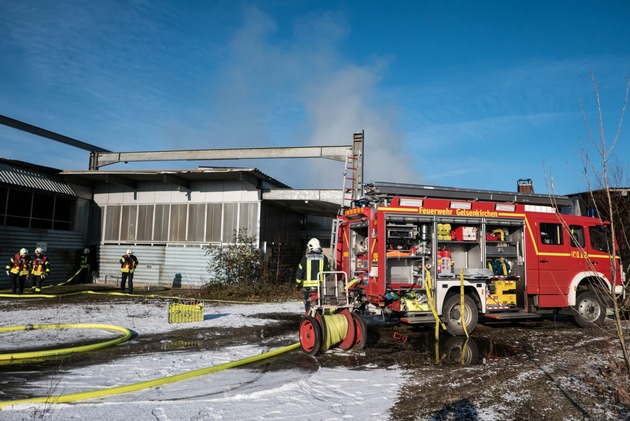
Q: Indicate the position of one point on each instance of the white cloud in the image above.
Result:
(299, 86)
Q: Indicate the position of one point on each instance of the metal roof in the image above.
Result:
(383, 188)
(182, 178)
(309, 202)
(25, 175)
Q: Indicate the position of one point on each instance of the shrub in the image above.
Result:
(238, 270)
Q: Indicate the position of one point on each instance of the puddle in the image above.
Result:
(453, 350)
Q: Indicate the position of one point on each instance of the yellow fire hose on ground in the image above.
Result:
(122, 294)
(65, 294)
(93, 394)
(63, 351)
(336, 331)
(7, 358)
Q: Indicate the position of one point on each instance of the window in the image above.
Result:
(577, 236)
(195, 222)
(43, 211)
(600, 238)
(19, 208)
(63, 213)
(22, 208)
(3, 204)
(551, 234)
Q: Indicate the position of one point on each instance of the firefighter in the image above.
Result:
(18, 269)
(311, 265)
(128, 264)
(40, 269)
(84, 267)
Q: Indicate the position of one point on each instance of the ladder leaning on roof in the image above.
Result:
(352, 188)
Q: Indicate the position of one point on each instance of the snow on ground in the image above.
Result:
(233, 394)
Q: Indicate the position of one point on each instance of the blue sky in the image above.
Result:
(450, 93)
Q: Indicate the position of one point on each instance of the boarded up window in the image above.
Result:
(196, 222)
(230, 221)
(248, 218)
(160, 228)
(177, 231)
(145, 223)
(112, 223)
(213, 223)
(128, 224)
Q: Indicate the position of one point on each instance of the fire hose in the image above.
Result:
(73, 397)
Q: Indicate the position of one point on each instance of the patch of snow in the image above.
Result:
(233, 394)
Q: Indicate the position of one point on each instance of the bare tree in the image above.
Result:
(601, 175)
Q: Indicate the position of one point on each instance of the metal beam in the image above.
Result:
(29, 128)
(337, 153)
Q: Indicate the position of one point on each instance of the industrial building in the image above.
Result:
(166, 217)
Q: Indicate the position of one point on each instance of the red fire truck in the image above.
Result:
(428, 255)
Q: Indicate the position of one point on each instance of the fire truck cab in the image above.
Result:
(426, 254)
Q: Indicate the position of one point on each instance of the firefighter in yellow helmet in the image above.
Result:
(40, 269)
(128, 264)
(18, 269)
(309, 268)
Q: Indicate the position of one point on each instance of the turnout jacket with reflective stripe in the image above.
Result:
(20, 265)
(310, 266)
(41, 265)
(128, 263)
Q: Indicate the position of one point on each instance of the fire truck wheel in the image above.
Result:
(588, 310)
(451, 313)
(360, 331)
(310, 335)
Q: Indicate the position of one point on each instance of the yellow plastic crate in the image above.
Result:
(501, 299)
(185, 311)
(503, 286)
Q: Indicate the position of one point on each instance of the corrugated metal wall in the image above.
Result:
(63, 249)
(157, 266)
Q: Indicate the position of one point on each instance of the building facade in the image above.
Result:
(39, 209)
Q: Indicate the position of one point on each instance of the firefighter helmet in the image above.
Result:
(23, 252)
(39, 250)
(313, 246)
(86, 251)
(129, 252)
